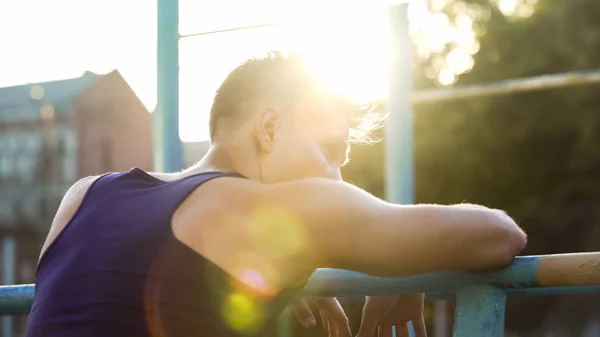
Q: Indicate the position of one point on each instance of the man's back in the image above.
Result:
(117, 269)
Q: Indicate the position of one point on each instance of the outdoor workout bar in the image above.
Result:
(480, 295)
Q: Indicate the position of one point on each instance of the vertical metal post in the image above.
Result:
(440, 321)
(284, 323)
(8, 277)
(167, 144)
(399, 129)
(480, 312)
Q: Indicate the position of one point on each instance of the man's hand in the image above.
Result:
(381, 313)
(334, 320)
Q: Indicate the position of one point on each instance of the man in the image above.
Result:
(220, 248)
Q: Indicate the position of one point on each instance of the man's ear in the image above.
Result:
(267, 124)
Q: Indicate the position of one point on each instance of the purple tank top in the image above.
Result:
(117, 270)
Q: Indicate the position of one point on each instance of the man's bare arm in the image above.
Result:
(346, 227)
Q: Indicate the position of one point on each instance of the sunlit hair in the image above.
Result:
(285, 81)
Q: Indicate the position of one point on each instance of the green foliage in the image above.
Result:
(534, 154)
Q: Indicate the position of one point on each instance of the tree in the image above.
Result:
(533, 154)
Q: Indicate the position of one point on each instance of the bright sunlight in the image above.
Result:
(349, 51)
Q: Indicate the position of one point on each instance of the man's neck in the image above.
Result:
(225, 159)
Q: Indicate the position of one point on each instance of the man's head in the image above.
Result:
(284, 122)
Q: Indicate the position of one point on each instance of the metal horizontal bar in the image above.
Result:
(573, 274)
(16, 300)
(323, 17)
(343, 283)
(559, 270)
(509, 86)
(538, 291)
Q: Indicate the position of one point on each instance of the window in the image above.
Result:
(6, 209)
(11, 141)
(34, 141)
(25, 166)
(30, 205)
(68, 136)
(67, 145)
(6, 165)
(68, 169)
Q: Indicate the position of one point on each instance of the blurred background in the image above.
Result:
(78, 86)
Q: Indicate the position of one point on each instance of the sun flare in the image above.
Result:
(348, 53)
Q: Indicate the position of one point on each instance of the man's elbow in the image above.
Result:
(504, 246)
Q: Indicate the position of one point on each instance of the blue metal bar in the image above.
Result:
(399, 129)
(16, 300)
(509, 86)
(480, 312)
(542, 291)
(343, 283)
(284, 323)
(167, 144)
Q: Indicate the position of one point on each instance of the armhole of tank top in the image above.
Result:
(68, 224)
(285, 291)
(214, 175)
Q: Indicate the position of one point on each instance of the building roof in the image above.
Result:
(24, 100)
(53, 92)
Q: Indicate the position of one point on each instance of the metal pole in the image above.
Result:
(8, 277)
(284, 323)
(480, 312)
(440, 318)
(399, 130)
(167, 144)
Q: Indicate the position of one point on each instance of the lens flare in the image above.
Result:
(257, 273)
(241, 312)
(253, 278)
(276, 232)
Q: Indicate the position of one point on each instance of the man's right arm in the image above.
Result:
(345, 227)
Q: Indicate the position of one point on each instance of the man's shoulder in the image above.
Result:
(74, 196)
(78, 190)
(67, 208)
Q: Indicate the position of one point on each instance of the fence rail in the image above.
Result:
(509, 86)
(558, 271)
(480, 295)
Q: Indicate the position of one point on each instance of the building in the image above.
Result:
(51, 135)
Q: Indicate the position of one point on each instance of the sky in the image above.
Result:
(45, 40)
